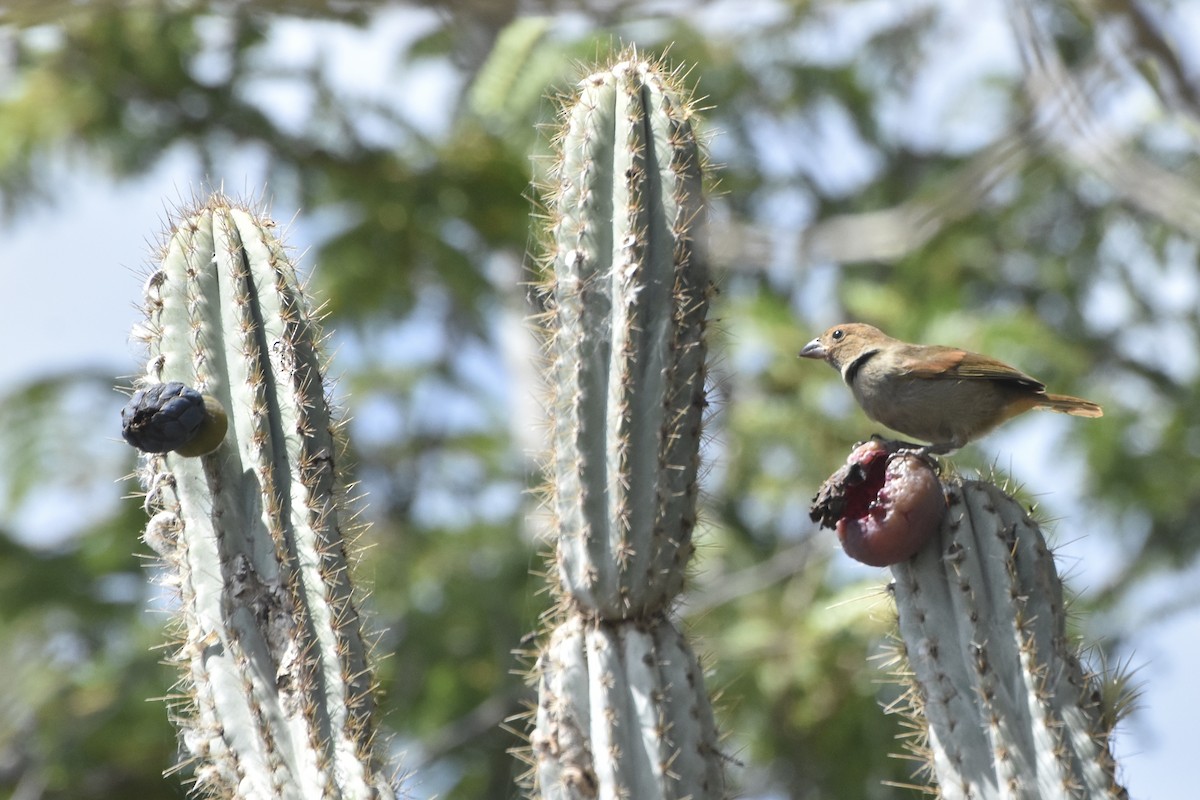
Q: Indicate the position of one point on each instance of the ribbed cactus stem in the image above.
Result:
(276, 681)
(1009, 711)
(625, 715)
(627, 375)
(622, 709)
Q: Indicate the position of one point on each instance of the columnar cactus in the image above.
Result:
(1007, 709)
(622, 709)
(997, 692)
(276, 688)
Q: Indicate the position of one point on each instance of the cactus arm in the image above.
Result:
(1008, 708)
(622, 709)
(627, 345)
(275, 668)
(619, 715)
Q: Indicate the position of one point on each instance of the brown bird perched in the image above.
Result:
(941, 395)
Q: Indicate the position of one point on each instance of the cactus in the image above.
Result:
(997, 696)
(998, 690)
(622, 709)
(275, 688)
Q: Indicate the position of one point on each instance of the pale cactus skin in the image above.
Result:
(622, 709)
(275, 697)
(998, 688)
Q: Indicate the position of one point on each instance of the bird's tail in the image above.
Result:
(1065, 404)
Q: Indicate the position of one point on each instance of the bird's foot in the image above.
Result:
(893, 445)
(925, 452)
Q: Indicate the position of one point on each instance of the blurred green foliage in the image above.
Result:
(864, 173)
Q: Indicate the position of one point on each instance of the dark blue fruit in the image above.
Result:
(162, 417)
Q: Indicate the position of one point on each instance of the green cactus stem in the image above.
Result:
(629, 298)
(276, 687)
(620, 711)
(1007, 709)
(622, 708)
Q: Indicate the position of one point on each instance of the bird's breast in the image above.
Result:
(933, 409)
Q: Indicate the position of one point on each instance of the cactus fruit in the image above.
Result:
(622, 708)
(170, 416)
(883, 503)
(1006, 707)
(276, 688)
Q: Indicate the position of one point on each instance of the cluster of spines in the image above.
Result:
(627, 293)
(998, 703)
(225, 312)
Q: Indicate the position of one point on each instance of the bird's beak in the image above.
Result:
(813, 349)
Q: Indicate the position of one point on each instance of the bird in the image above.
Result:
(941, 395)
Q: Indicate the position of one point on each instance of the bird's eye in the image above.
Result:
(839, 333)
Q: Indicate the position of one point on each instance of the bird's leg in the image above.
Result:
(928, 452)
(900, 445)
(925, 452)
(896, 445)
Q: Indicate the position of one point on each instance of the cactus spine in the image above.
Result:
(622, 708)
(276, 686)
(1007, 710)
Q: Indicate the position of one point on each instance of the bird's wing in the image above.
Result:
(949, 362)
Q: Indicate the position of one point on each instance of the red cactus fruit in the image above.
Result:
(884, 503)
